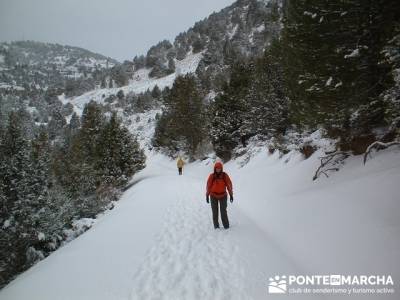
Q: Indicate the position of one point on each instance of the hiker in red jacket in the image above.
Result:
(217, 184)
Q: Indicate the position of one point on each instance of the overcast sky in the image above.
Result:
(117, 28)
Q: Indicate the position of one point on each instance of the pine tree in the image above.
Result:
(226, 120)
(19, 190)
(74, 165)
(3, 199)
(182, 125)
(391, 97)
(41, 181)
(266, 99)
(171, 65)
(119, 154)
(103, 83)
(75, 122)
(333, 61)
(120, 94)
(92, 121)
(156, 92)
(16, 159)
(56, 124)
(229, 111)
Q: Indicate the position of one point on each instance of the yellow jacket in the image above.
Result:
(180, 163)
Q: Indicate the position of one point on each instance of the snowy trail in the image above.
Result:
(191, 260)
(159, 242)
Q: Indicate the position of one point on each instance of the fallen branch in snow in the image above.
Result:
(378, 146)
(330, 162)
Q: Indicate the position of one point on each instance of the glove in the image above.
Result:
(231, 198)
(208, 199)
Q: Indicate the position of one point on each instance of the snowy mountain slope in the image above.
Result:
(35, 65)
(47, 54)
(244, 27)
(159, 243)
(139, 84)
(143, 126)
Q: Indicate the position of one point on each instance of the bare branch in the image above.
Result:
(378, 146)
(330, 162)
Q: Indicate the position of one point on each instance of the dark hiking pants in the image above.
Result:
(180, 171)
(224, 215)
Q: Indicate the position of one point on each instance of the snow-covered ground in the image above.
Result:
(159, 242)
(143, 125)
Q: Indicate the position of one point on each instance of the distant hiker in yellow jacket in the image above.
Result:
(180, 164)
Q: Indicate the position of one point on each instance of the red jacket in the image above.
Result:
(217, 184)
